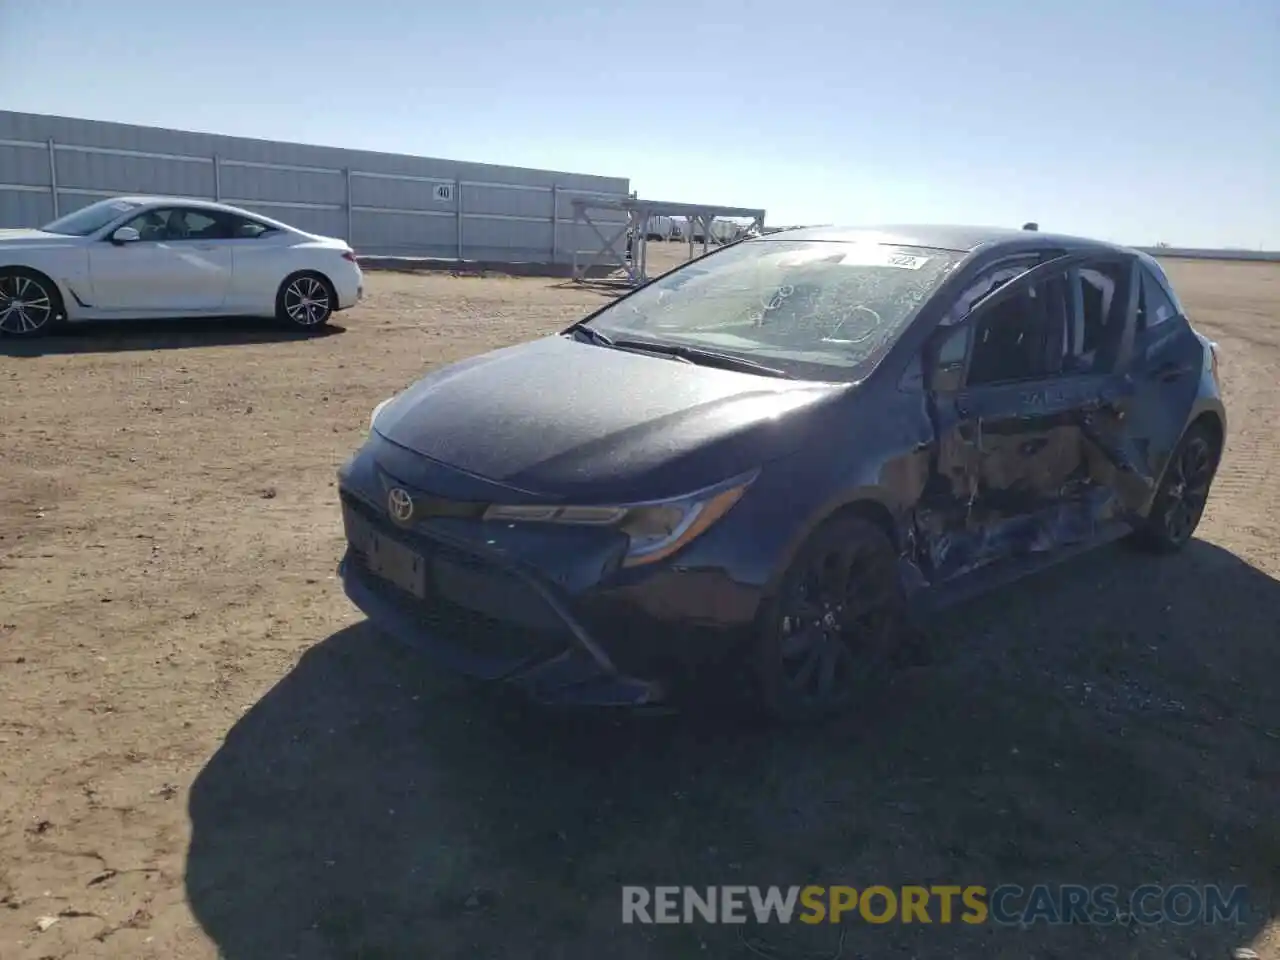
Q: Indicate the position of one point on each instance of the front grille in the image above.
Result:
(512, 619)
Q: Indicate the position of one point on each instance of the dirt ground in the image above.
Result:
(204, 752)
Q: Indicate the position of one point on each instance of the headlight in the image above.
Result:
(656, 530)
(377, 410)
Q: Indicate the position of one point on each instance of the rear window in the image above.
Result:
(1158, 292)
(1154, 304)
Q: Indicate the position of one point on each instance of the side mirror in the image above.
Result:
(125, 235)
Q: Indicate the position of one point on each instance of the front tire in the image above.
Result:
(1184, 489)
(30, 304)
(829, 637)
(306, 300)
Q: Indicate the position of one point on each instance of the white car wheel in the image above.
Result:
(29, 304)
(306, 300)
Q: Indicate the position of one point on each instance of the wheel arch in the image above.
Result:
(1212, 419)
(873, 511)
(871, 504)
(307, 272)
(1212, 422)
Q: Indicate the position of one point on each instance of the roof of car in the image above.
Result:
(184, 201)
(961, 239)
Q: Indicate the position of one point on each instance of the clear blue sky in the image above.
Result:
(1132, 120)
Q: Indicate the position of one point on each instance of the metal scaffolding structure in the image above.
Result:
(636, 227)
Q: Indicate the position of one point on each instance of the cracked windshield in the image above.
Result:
(825, 309)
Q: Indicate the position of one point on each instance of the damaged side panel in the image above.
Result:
(908, 474)
(1019, 471)
(1024, 468)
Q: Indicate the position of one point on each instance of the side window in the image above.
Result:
(984, 285)
(945, 359)
(1154, 305)
(168, 224)
(152, 226)
(242, 228)
(1097, 319)
(1013, 339)
(193, 225)
(949, 363)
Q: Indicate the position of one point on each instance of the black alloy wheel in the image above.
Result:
(1180, 502)
(832, 632)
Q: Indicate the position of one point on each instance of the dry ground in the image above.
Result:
(203, 751)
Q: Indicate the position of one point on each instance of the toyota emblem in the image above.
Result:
(399, 505)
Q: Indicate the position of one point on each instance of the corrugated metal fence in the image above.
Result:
(382, 204)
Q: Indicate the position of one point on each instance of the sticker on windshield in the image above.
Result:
(120, 205)
(907, 261)
(876, 256)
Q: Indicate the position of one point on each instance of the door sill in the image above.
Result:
(1004, 572)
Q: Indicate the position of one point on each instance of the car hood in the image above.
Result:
(564, 419)
(33, 238)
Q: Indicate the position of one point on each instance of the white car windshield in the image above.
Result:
(819, 309)
(90, 219)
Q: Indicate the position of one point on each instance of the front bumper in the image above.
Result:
(525, 636)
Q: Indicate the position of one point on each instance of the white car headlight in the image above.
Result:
(656, 529)
(377, 410)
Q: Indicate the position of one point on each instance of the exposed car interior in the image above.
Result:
(1018, 339)
(1010, 340)
(1094, 336)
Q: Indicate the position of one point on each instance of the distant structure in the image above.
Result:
(382, 204)
(1031, 226)
(698, 220)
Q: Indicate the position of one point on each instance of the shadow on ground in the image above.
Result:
(120, 335)
(1109, 722)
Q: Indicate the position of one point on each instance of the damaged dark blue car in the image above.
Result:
(770, 457)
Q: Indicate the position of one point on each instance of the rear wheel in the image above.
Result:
(1179, 503)
(829, 637)
(29, 303)
(306, 300)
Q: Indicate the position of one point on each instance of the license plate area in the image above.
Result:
(399, 565)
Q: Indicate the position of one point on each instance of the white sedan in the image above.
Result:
(154, 257)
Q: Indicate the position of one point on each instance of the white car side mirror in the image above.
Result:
(125, 235)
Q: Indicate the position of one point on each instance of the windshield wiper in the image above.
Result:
(706, 358)
(591, 333)
(595, 336)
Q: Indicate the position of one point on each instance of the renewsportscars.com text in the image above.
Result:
(1006, 904)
